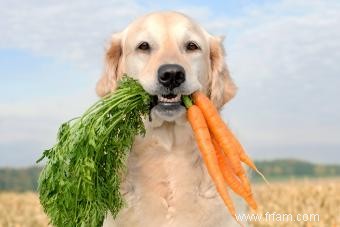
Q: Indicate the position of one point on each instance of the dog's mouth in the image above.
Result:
(169, 99)
(168, 106)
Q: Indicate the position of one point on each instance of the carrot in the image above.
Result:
(231, 179)
(203, 139)
(244, 157)
(227, 140)
(221, 133)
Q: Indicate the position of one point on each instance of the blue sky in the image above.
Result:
(283, 55)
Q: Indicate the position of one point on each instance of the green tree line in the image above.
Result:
(290, 168)
(25, 179)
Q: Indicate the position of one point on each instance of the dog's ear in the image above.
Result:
(107, 82)
(222, 88)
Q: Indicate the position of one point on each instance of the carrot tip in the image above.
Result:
(263, 177)
(255, 207)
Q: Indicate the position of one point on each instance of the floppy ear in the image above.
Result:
(107, 82)
(222, 88)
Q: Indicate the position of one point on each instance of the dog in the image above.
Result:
(166, 183)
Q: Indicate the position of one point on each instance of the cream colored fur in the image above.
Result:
(166, 183)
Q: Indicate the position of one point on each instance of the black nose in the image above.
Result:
(171, 75)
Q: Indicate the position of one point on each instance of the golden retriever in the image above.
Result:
(166, 184)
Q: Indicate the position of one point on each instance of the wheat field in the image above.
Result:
(320, 197)
(296, 197)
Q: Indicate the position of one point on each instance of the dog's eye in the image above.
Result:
(192, 46)
(143, 46)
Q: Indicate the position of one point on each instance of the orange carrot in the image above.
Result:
(222, 135)
(230, 143)
(203, 139)
(231, 179)
(244, 157)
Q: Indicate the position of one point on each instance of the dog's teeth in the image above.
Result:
(178, 98)
(175, 99)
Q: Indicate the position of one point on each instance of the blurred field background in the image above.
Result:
(297, 187)
(308, 196)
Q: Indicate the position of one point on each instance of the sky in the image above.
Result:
(283, 55)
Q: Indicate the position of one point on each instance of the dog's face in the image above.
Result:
(171, 56)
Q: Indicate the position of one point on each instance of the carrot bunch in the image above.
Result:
(221, 151)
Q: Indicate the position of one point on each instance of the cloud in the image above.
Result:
(69, 30)
(285, 61)
(75, 31)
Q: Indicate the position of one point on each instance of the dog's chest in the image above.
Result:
(166, 173)
(167, 184)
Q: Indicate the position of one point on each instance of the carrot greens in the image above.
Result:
(81, 179)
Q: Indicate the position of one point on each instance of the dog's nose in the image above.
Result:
(171, 75)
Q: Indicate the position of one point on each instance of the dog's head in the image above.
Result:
(171, 56)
